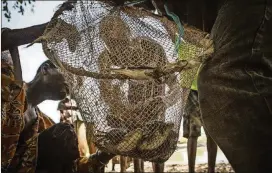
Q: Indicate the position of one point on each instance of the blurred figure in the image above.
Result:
(69, 113)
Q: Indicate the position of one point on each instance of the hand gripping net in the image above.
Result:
(121, 65)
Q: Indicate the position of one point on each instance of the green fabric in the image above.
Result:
(186, 52)
(194, 84)
(178, 23)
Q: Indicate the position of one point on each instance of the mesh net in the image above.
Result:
(103, 51)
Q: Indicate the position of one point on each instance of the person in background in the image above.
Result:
(192, 130)
(69, 113)
(30, 141)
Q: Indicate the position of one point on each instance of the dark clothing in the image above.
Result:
(58, 148)
(235, 85)
(192, 116)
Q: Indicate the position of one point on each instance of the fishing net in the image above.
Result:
(125, 74)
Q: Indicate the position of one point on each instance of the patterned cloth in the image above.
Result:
(192, 117)
(17, 156)
(12, 108)
(19, 150)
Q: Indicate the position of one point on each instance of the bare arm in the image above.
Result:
(11, 39)
(18, 37)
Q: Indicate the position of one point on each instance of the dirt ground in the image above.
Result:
(220, 167)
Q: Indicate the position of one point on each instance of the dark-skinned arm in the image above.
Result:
(17, 37)
(11, 39)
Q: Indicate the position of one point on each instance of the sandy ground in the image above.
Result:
(220, 167)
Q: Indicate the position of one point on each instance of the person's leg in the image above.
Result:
(114, 161)
(158, 167)
(235, 85)
(123, 163)
(129, 161)
(195, 132)
(142, 165)
(191, 150)
(113, 167)
(212, 152)
(137, 165)
(192, 127)
(191, 146)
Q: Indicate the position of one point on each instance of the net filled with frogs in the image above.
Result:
(125, 74)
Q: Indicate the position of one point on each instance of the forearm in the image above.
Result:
(18, 37)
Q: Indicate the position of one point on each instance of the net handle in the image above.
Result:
(170, 14)
(178, 23)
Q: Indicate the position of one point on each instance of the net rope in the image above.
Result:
(129, 82)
